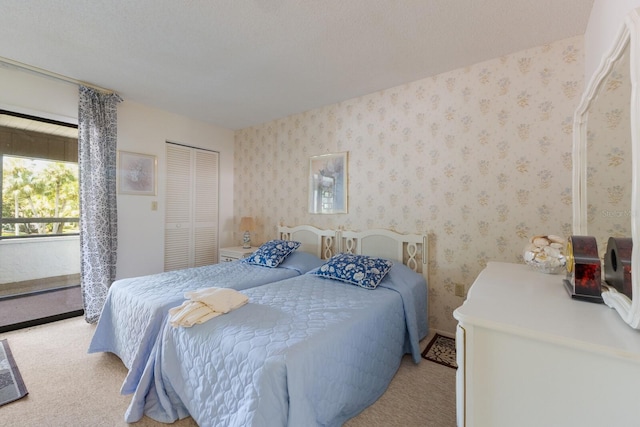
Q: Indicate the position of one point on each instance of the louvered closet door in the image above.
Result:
(191, 229)
(205, 208)
(177, 235)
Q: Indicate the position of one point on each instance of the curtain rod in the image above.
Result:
(50, 74)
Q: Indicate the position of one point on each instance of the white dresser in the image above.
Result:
(529, 355)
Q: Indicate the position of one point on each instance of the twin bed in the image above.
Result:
(307, 349)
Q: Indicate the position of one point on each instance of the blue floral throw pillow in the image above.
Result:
(272, 253)
(361, 270)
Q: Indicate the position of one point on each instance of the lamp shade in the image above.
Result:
(246, 223)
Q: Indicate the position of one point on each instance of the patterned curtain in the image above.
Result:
(97, 132)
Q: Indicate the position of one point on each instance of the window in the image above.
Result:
(39, 165)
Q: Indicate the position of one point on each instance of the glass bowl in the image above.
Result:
(545, 254)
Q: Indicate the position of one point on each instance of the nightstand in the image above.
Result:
(235, 253)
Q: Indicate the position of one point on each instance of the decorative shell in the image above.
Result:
(546, 254)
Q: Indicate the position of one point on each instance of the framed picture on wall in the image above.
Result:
(328, 183)
(136, 173)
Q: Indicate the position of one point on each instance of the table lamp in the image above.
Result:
(246, 225)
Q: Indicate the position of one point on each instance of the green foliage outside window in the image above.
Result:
(36, 190)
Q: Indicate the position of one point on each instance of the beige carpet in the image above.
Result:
(68, 387)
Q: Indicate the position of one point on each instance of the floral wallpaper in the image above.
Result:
(479, 158)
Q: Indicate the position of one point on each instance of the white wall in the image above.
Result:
(141, 230)
(37, 258)
(31, 94)
(605, 20)
(140, 129)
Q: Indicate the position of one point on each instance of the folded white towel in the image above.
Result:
(190, 313)
(222, 300)
(205, 304)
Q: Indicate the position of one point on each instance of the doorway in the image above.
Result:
(39, 233)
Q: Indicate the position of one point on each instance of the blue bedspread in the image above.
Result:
(306, 351)
(136, 308)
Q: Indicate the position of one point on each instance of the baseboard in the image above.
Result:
(39, 285)
(43, 291)
(41, 321)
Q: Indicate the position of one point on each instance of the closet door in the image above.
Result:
(205, 208)
(191, 224)
(177, 236)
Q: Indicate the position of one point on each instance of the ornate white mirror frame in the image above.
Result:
(628, 36)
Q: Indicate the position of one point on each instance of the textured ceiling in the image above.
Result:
(237, 63)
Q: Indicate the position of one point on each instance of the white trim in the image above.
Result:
(39, 114)
(10, 63)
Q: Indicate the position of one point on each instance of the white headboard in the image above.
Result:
(322, 243)
(409, 249)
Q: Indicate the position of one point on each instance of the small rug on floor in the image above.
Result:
(11, 385)
(441, 350)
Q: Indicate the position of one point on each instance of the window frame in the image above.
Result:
(34, 220)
